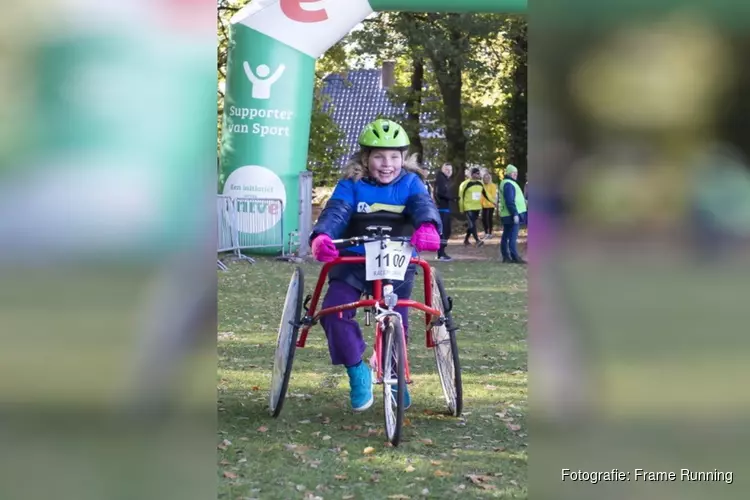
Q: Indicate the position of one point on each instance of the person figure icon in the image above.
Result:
(261, 81)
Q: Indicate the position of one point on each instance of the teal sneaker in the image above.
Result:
(407, 397)
(360, 383)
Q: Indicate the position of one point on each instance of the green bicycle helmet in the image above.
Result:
(384, 134)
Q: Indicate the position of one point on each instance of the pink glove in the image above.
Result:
(323, 248)
(426, 238)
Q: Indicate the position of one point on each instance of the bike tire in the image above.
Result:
(446, 349)
(393, 357)
(286, 342)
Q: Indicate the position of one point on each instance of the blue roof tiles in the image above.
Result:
(357, 100)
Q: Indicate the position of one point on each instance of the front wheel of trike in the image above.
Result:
(394, 377)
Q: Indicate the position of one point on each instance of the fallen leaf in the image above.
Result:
(290, 447)
(242, 460)
(347, 497)
(262, 428)
(243, 438)
(369, 450)
(514, 427)
(225, 444)
(441, 473)
(230, 475)
(410, 468)
(499, 448)
(399, 497)
(490, 387)
(351, 427)
(225, 462)
(340, 477)
(500, 414)
(326, 421)
(326, 438)
(481, 481)
(428, 412)
(407, 422)
(375, 478)
(436, 462)
(255, 388)
(427, 442)
(300, 487)
(304, 422)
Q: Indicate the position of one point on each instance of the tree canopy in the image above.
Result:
(462, 77)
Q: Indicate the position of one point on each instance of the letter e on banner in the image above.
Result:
(293, 10)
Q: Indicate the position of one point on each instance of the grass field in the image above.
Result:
(318, 448)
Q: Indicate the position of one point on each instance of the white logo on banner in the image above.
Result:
(256, 185)
(262, 83)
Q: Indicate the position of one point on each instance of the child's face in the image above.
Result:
(385, 164)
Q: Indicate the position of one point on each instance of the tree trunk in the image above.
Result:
(517, 107)
(414, 107)
(450, 82)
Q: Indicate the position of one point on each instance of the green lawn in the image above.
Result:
(316, 448)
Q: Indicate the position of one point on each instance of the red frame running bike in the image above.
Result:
(390, 342)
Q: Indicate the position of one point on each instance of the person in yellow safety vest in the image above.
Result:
(513, 213)
(489, 203)
(470, 194)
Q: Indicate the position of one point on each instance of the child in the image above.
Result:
(380, 186)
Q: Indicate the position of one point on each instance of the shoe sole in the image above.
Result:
(365, 406)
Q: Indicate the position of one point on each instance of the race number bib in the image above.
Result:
(388, 263)
(476, 196)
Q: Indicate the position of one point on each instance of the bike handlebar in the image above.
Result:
(359, 240)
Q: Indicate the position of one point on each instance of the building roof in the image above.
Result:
(358, 99)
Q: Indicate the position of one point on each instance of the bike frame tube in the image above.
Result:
(377, 289)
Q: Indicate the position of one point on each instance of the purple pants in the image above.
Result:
(345, 342)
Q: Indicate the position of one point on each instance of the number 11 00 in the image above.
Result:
(398, 260)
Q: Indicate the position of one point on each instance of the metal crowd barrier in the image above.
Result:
(248, 223)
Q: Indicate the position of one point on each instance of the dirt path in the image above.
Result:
(489, 251)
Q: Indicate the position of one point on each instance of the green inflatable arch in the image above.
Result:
(269, 95)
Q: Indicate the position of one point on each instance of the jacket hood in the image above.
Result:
(355, 170)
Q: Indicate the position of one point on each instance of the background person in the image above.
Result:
(443, 201)
(512, 214)
(489, 203)
(470, 194)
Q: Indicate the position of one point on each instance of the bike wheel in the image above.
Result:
(286, 342)
(446, 348)
(394, 377)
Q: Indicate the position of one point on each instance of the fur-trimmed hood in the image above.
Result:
(356, 170)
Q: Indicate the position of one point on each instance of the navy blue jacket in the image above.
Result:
(406, 195)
